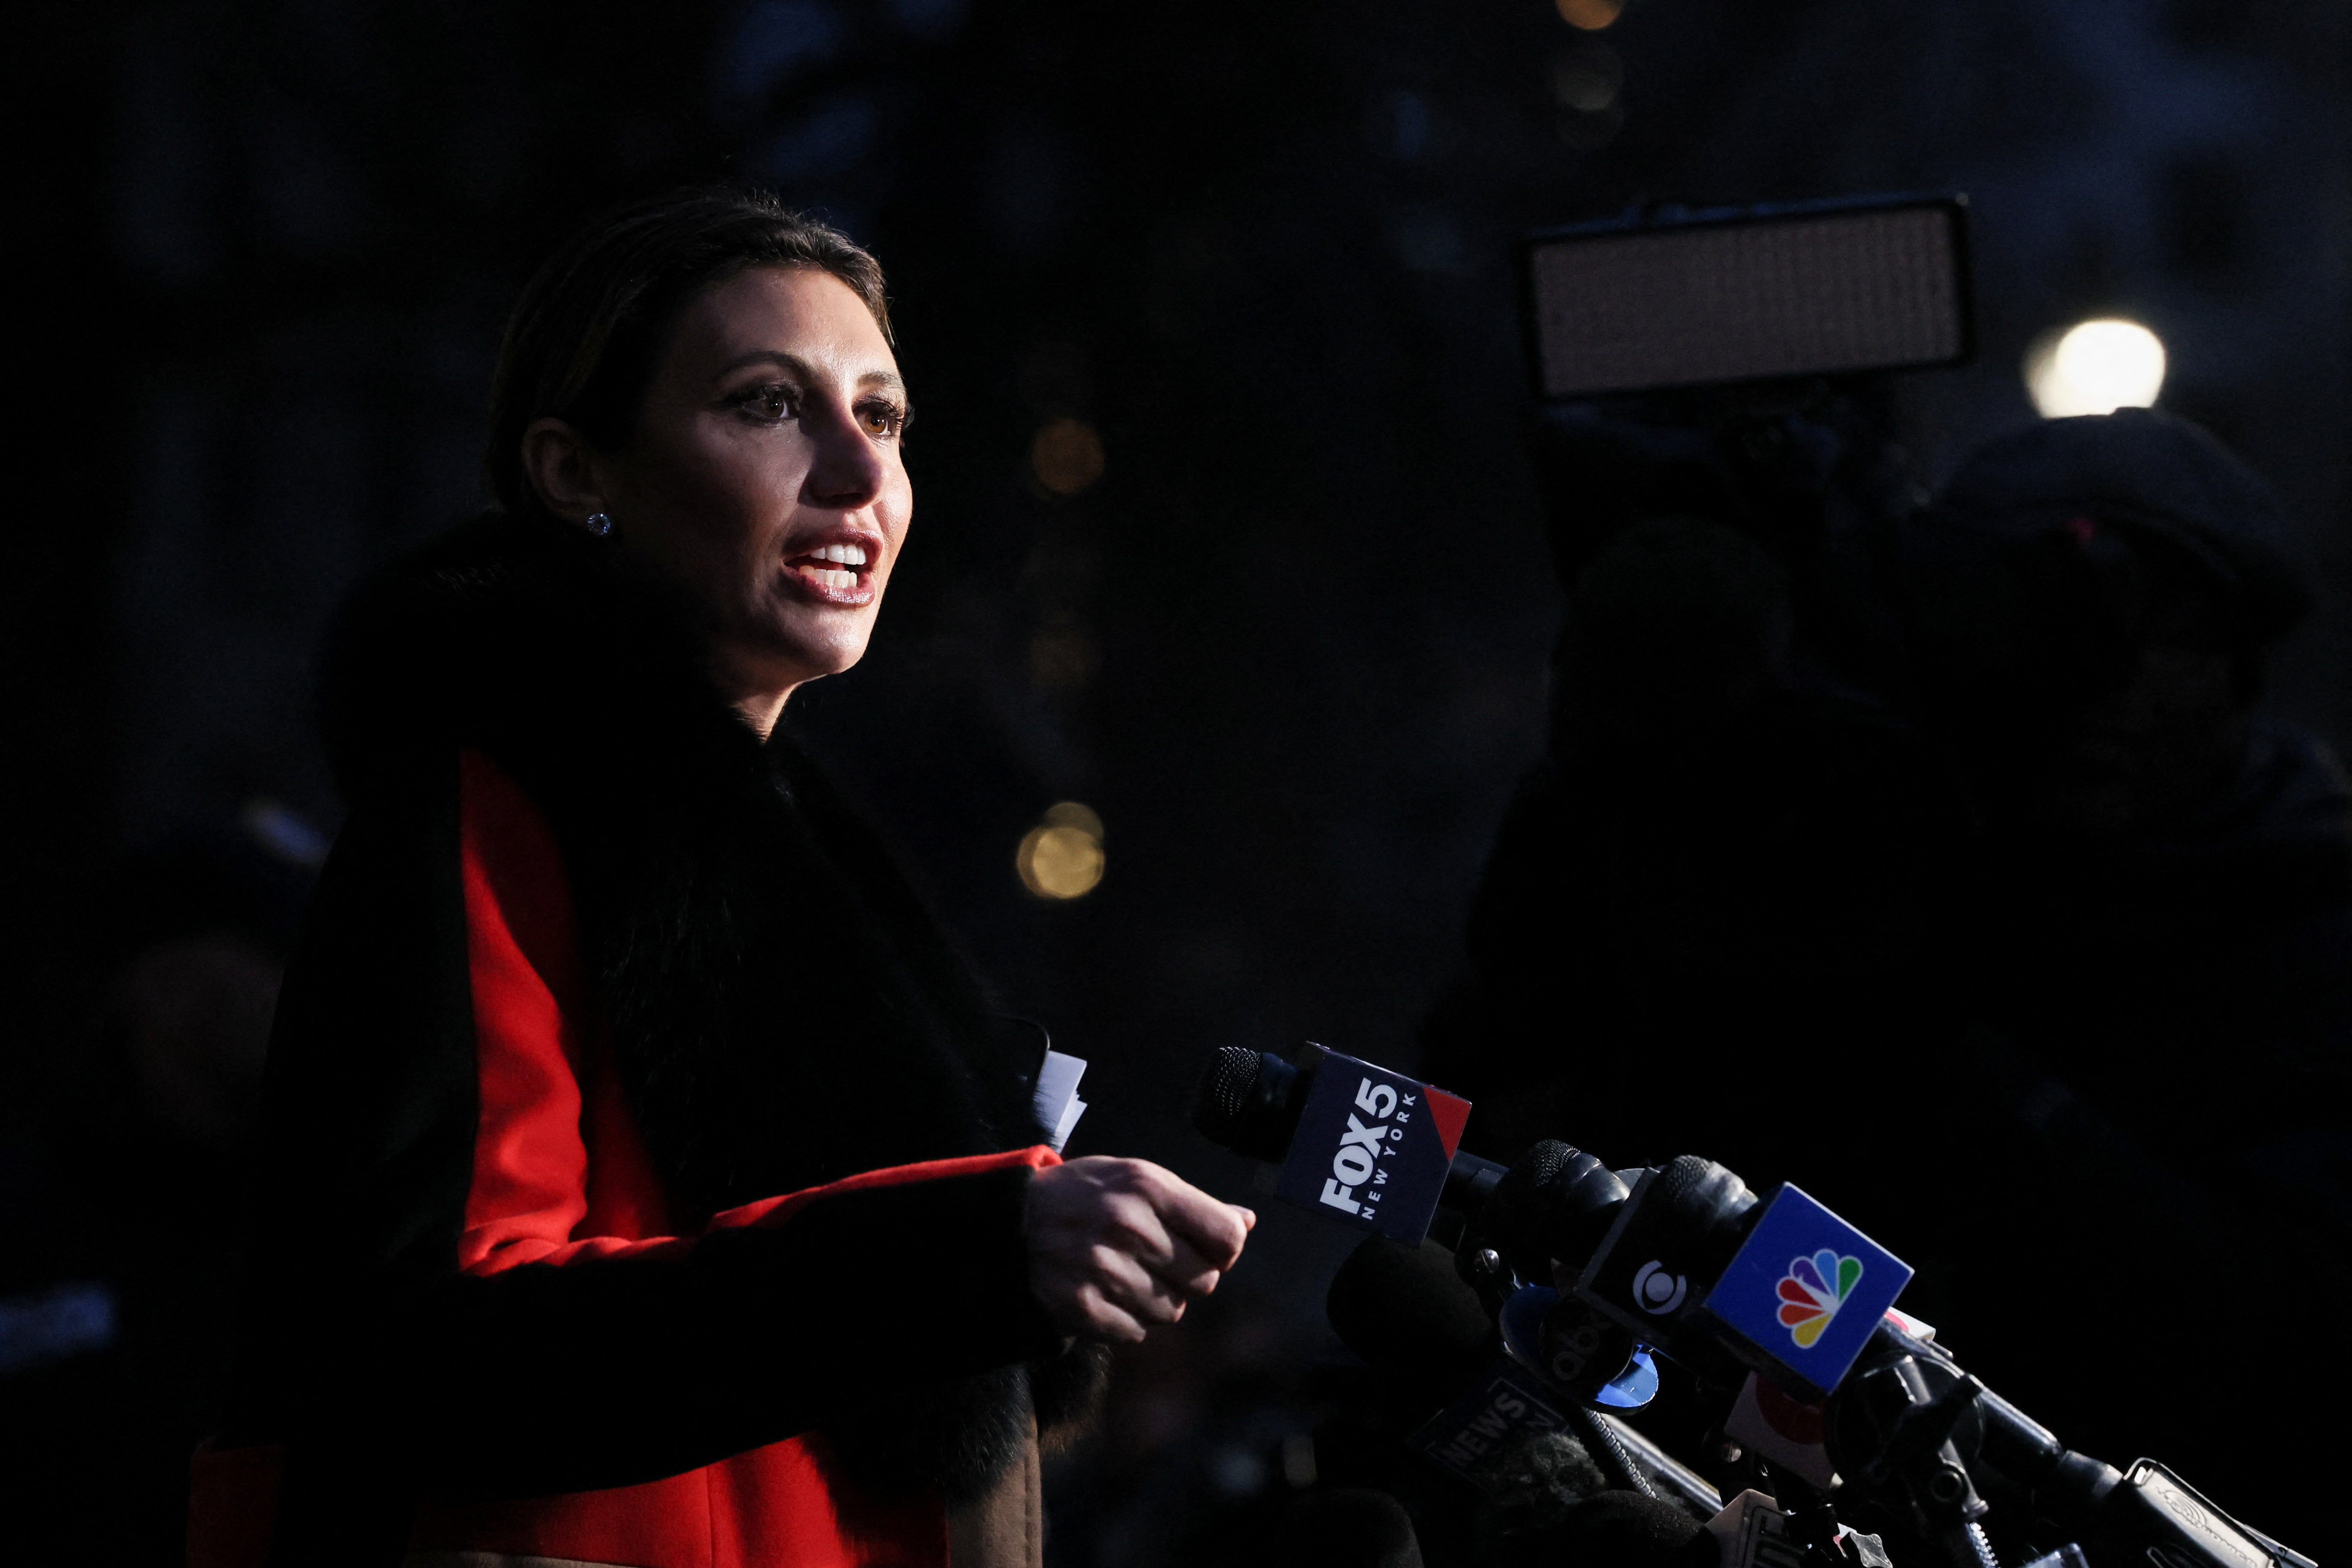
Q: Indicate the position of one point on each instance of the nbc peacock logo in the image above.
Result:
(1811, 1291)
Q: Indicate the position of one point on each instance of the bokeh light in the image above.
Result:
(1587, 78)
(1062, 657)
(1591, 15)
(1061, 857)
(1066, 456)
(2095, 367)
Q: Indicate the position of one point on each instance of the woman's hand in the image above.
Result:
(1116, 1245)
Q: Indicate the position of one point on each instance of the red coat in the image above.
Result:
(545, 1398)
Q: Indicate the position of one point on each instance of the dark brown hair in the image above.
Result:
(589, 330)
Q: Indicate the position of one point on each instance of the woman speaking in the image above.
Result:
(643, 1181)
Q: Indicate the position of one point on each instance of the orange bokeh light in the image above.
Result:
(1590, 15)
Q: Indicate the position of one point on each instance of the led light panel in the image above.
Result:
(1752, 298)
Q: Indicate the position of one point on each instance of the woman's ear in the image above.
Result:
(557, 461)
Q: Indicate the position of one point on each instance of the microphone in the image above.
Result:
(1358, 1144)
(1349, 1527)
(1405, 1312)
(1557, 1202)
(1688, 1259)
(1497, 1423)
(1683, 1257)
(1625, 1529)
(1249, 1101)
(1490, 1421)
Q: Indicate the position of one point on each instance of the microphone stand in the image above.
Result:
(1907, 1422)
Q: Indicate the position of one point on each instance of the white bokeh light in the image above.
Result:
(2095, 367)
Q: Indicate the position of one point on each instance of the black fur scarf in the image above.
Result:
(782, 1009)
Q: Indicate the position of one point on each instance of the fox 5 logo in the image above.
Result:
(1357, 1161)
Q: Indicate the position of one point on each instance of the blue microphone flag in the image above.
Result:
(1804, 1293)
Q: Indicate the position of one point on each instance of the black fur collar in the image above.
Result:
(784, 1010)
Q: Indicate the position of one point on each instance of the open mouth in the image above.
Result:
(834, 568)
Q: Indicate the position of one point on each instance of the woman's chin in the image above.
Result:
(795, 651)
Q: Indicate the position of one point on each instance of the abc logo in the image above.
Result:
(1658, 1293)
(1570, 1352)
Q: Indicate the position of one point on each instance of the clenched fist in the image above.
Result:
(1116, 1245)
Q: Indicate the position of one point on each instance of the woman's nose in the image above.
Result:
(846, 470)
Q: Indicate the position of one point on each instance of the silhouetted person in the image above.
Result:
(116, 1305)
(1704, 901)
(2157, 943)
(2046, 984)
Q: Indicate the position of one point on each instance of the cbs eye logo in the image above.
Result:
(1658, 1293)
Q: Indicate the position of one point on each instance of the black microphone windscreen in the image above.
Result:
(1352, 1527)
(1224, 1090)
(1514, 1215)
(1406, 1312)
(1623, 1530)
(1245, 1103)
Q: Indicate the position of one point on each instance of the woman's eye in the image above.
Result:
(882, 420)
(772, 403)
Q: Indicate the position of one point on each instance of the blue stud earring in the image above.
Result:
(600, 524)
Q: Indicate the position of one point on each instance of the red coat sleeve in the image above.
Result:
(571, 1342)
(537, 1046)
(546, 1088)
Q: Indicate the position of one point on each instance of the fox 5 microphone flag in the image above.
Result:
(1372, 1148)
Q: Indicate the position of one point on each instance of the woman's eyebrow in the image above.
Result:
(873, 380)
(778, 357)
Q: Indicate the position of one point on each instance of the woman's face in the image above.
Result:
(764, 475)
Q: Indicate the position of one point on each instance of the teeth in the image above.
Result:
(846, 555)
(830, 579)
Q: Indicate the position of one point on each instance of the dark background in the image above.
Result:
(1290, 645)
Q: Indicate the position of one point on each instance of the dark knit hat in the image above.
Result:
(2137, 468)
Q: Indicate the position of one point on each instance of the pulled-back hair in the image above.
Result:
(589, 332)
